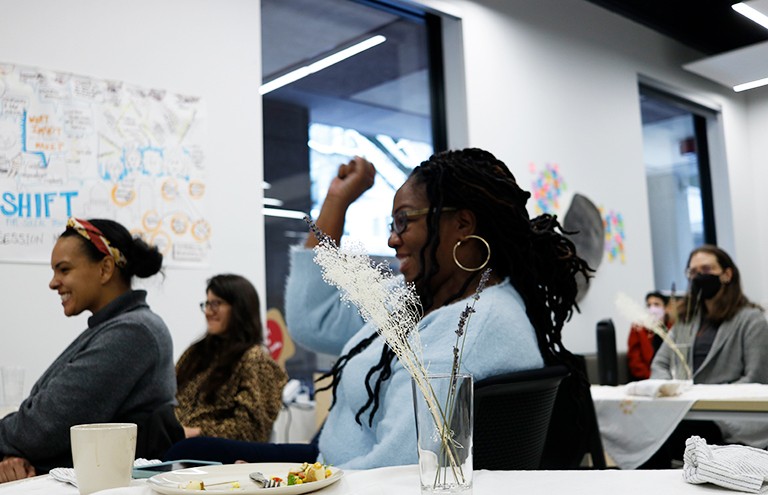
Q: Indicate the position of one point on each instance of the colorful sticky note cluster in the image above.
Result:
(547, 188)
(613, 222)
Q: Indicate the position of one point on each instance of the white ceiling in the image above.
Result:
(711, 27)
(739, 66)
(735, 67)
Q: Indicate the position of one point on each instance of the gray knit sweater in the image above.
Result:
(120, 367)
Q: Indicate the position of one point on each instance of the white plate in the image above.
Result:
(171, 483)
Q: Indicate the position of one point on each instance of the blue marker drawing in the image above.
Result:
(41, 154)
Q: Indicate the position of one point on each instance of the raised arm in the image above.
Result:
(315, 316)
(351, 181)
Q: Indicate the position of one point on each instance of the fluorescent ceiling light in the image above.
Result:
(321, 64)
(278, 212)
(751, 85)
(272, 202)
(755, 10)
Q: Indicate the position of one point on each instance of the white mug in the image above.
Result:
(103, 454)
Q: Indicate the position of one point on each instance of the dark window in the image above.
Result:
(385, 103)
(676, 157)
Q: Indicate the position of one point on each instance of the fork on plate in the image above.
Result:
(263, 481)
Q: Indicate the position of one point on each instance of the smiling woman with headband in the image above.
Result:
(120, 369)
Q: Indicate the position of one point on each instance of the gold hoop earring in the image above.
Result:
(487, 258)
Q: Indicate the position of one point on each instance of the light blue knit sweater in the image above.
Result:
(499, 339)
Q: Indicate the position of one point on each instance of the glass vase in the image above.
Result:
(443, 408)
(678, 369)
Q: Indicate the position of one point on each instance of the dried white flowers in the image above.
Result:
(394, 308)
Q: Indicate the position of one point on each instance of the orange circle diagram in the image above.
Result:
(196, 189)
(162, 240)
(123, 195)
(201, 230)
(179, 224)
(170, 190)
(151, 220)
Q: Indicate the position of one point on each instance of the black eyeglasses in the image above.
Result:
(212, 305)
(400, 220)
(702, 270)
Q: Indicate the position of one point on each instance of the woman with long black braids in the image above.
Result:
(458, 212)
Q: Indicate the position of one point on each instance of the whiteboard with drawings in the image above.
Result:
(77, 146)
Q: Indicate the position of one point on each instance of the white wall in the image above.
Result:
(196, 47)
(546, 81)
(756, 178)
(557, 81)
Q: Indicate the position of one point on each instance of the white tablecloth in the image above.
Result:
(633, 427)
(404, 480)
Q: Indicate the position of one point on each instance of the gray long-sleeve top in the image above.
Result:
(120, 367)
(738, 355)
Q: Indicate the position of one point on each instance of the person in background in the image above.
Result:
(228, 384)
(119, 369)
(643, 342)
(725, 339)
(457, 213)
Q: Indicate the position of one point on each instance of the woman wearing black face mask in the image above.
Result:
(726, 332)
(725, 336)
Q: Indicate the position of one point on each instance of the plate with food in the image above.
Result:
(280, 478)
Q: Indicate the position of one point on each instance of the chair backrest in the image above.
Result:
(157, 431)
(512, 414)
(573, 431)
(607, 361)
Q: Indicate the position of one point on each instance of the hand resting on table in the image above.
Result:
(15, 468)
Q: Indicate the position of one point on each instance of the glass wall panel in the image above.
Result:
(378, 103)
(679, 193)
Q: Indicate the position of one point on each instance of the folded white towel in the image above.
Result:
(737, 467)
(657, 388)
(67, 475)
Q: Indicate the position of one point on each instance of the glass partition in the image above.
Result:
(363, 79)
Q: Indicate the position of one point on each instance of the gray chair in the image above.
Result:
(512, 414)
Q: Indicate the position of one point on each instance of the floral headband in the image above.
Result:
(94, 235)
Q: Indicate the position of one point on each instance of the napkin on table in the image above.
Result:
(657, 388)
(67, 475)
(737, 467)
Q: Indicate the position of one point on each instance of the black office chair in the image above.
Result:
(607, 360)
(573, 431)
(157, 431)
(512, 414)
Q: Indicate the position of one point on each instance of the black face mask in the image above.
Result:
(705, 286)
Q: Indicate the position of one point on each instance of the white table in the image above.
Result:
(404, 480)
(634, 427)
